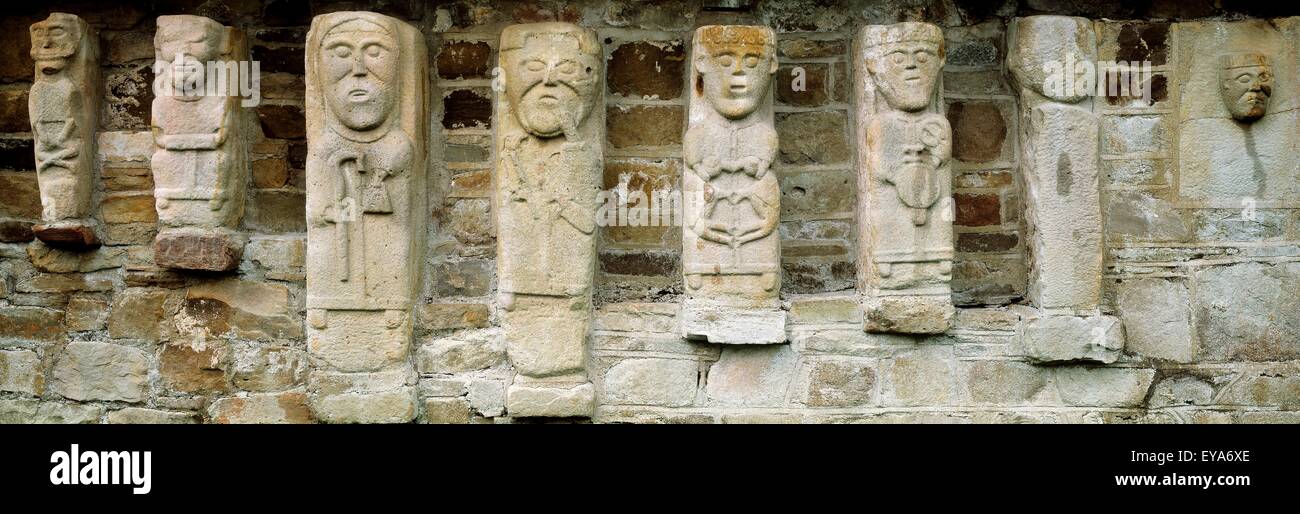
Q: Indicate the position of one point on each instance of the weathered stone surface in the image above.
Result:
(266, 408)
(561, 400)
(138, 314)
(198, 250)
(1004, 382)
(461, 353)
(239, 308)
(1248, 312)
(142, 416)
(464, 60)
(1180, 391)
(1052, 339)
(663, 382)
(446, 411)
(756, 376)
(487, 396)
(12, 231)
(87, 371)
(30, 324)
(21, 410)
(905, 250)
(731, 250)
(366, 209)
(1157, 318)
(443, 316)
(1103, 387)
(825, 309)
(643, 126)
(815, 137)
(197, 368)
(64, 112)
(20, 372)
(924, 376)
(647, 69)
(549, 151)
(53, 260)
(268, 368)
(837, 383)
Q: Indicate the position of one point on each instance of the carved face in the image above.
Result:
(1246, 89)
(187, 43)
(551, 83)
(905, 73)
(54, 41)
(735, 77)
(358, 63)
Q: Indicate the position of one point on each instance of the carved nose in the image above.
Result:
(358, 67)
(549, 78)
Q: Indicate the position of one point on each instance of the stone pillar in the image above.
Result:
(367, 98)
(200, 160)
(731, 250)
(904, 211)
(1060, 160)
(549, 134)
(63, 105)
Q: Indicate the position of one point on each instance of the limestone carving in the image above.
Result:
(200, 161)
(366, 109)
(1247, 80)
(549, 134)
(905, 239)
(1059, 162)
(731, 250)
(63, 108)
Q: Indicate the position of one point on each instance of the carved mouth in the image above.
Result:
(739, 88)
(358, 95)
(548, 99)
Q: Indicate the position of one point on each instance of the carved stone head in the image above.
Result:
(904, 60)
(1046, 53)
(1246, 82)
(358, 65)
(196, 40)
(735, 65)
(55, 40)
(551, 76)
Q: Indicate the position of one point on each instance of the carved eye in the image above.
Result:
(922, 57)
(535, 65)
(751, 61)
(56, 32)
(374, 50)
(725, 61)
(342, 51)
(1243, 78)
(568, 67)
(897, 57)
(1265, 77)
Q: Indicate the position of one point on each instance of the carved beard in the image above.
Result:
(360, 103)
(903, 95)
(1248, 105)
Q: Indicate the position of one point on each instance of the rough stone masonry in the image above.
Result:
(933, 211)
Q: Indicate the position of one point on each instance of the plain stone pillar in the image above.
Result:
(200, 161)
(1060, 160)
(367, 126)
(550, 128)
(905, 238)
(731, 250)
(63, 106)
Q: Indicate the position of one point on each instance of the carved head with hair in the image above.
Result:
(551, 76)
(357, 63)
(904, 61)
(735, 65)
(197, 40)
(1246, 82)
(54, 40)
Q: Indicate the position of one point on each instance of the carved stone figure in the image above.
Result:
(366, 108)
(731, 251)
(550, 129)
(1060, 160)
(1247, 80)
(200, 161)
(905, 240)
(63, 107)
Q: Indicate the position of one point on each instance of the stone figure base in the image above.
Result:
(724, 324)
(555, 397)
(73, 235)
(1066, 338)
(908, 314)
(380, 397)
(198, 249)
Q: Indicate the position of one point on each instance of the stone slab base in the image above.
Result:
(199, 250)
(75, 236)
(733, 325)
(1051, 339)
(542, 400)
(931, 314)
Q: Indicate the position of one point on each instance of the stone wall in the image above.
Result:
(1209, 294)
